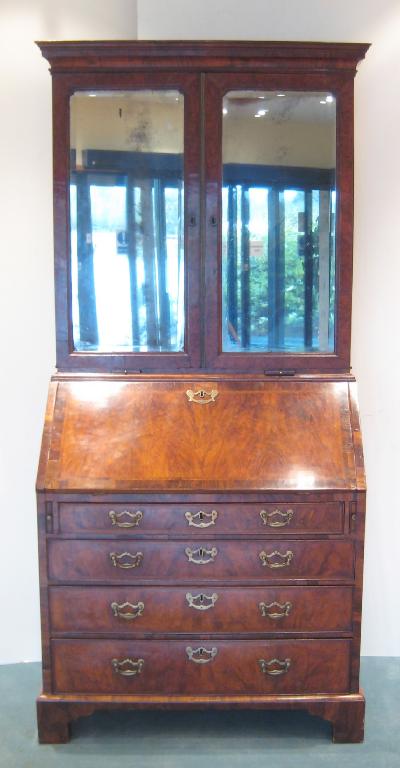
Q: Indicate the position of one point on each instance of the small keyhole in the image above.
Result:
(201, 552)
(201, 515)
(201, 598)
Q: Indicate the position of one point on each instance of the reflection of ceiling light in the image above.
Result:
(224, 111)
(280, 94)
(322, 101)
(260, 97)
(92, 95)
(176, 98)
(329, 98)
(261, 113)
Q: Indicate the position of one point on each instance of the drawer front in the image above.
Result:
(193, 519)
(200, 667)
(197, 609)
(134, 560)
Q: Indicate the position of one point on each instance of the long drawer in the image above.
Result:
(191, 519)
(190, 667)
(132, 560)
(197, 609)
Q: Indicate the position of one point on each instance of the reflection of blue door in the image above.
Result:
(127, 262)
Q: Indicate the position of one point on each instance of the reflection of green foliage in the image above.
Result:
(259, 292)
(293, 279)
(294, 276)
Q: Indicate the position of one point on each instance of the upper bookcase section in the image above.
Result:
(203, 205)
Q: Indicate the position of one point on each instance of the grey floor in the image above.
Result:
(201, 739)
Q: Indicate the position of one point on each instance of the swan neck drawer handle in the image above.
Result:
(128, 667)
(127, 611)
(274, 667)
(276, 518)
(275, 610)
(276, 559)
(133, 518)
(126, 559)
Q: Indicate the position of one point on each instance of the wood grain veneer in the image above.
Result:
(166, 610)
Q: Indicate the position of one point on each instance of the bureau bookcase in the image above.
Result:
(201, 490)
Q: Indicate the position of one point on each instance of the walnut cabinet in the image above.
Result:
(201, 489)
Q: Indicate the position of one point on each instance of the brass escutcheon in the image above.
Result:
(201, 519)
(201, 556)
(201, 396)
(201, 655)
(201, 602)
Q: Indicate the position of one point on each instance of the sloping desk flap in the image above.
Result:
(149, 436)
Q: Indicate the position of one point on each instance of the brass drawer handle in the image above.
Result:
(120, 610)
(271, 612)
(201, 602)
(283, 561)
(274, 667)
(133, 560)
(201, 396)
(116, 518)
(205, 518)
(276, 518)
(128, 667)
(201, 655)
(201, 556)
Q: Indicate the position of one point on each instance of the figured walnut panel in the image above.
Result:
(194, 519)
(228, 609)
(148, 436)
(91, 560)
(316, 666)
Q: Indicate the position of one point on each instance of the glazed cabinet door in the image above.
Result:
(278, 184)
(127, 154)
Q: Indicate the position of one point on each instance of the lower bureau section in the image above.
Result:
(199, 609)
(200, 667)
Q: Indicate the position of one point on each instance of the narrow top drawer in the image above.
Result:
(225, 518)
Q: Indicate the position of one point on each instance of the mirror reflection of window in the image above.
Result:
(278, 232)
(126, 204)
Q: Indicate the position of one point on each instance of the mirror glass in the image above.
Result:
(126, 221)
(278, 230)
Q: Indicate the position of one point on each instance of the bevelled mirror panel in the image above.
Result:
(126, 221)
(278, 228)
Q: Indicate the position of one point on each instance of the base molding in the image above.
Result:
(344, 711)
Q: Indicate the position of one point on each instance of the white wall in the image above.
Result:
(26, 292)
(26, 282)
